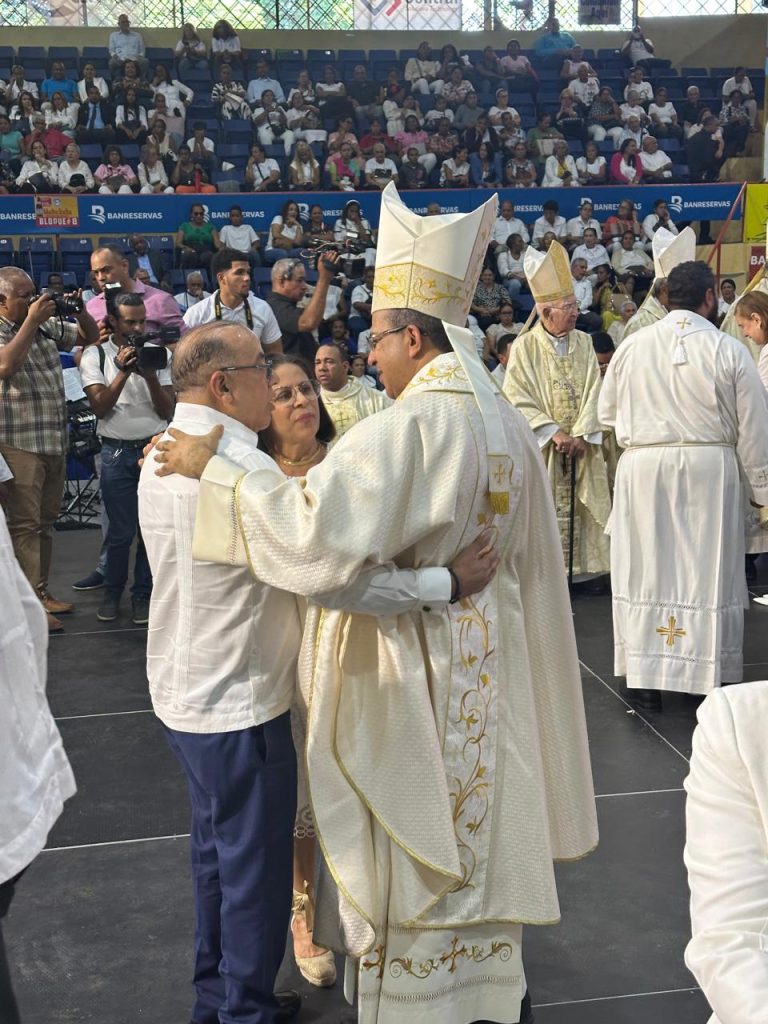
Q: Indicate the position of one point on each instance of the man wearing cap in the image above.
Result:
(432, 736)
(688, 407)
(553, 378)
(669, 249)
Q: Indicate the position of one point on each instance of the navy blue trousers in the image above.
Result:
(242, 786)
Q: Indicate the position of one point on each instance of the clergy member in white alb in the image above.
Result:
(668, 250)
(553, 378)
(346, 398)
(447, 754)
(691, 414)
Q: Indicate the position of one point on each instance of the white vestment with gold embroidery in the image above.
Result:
(447, 754)
(692, 417)
(352, 403)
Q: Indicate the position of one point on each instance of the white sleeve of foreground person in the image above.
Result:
(726, 854)
(35, 776)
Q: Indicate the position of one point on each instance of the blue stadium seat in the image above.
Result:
(324, 56)
(354, 55)
(119, 240)
(161, 243)
(390, 56)
(36, 254)
(7, 254)
(696, 72)
(75, 254)
(7, 53)
(281, 55)
(26, 53)
(68, 279)
(66, 53)
(262, 53)
(160, 55)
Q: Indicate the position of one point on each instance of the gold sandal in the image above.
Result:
(318, 970)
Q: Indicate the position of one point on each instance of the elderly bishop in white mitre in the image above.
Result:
(668, 251)
(447, 752)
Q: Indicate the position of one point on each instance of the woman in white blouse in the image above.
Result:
(502, 106)
(560, 168)
(175, 92)
(90, 78)
(38, 174)
(151, 173)
(75, 175)
(62, 115)
(190, 50)
(131, 123)
(592, 168)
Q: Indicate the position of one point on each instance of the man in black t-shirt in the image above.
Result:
(705, 158)
(289, 284)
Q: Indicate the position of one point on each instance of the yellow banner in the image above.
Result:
(755, 213)
(56, 211)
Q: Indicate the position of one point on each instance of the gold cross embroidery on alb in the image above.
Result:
(670, 632)
(685, 322)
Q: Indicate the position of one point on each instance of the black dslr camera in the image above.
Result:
(150, 353)
(66, 305)
(352, 257)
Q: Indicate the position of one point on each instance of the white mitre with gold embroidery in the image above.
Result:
(548, 273)
(432, 265)
(670, 250)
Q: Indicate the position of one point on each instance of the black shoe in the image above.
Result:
(290, 1004)
(526, 1013)
(93, 581)
(109, 608)
(647, 700)
(140, 611)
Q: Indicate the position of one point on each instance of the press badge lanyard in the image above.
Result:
(246, 309)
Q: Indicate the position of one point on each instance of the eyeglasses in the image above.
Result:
(286, 395)
(266, 366)
(568, 307)
(374, 339)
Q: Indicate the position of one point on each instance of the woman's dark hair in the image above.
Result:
(112, 149)
(286, 205)
(325, 430)
(625, 146)
(347, 206)
(223, 30)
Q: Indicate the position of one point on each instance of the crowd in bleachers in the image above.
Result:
(126, 118)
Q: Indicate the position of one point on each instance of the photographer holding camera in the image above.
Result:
(289, 284)
(33, 420)
(132, 401)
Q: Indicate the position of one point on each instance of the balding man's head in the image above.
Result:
(222, 366)
(16, 292)
(109, 266)
(11, 278)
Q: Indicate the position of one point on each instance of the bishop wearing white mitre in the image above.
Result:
(554, 379)
(668, 251)
(447, 753)
(690, 411)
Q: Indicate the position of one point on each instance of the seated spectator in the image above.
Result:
(174, 118)
(353, 227)
(225, 47)
(485, 167)
(618, 328)
(10, 141)
(489, 73)
(508, 135)
(74, 174)
(365, 96)
(657, 167)
(316, 226)
(197, 239)
(360, 302)
(422, 72)
(560, 168)
(632, 130)
(584, 88)
(286, 234)
(380, 170)
(457, 88)
(573, 63)
(304, 87)
(633, 108)
(604, 117)
(376, 134)
(271, 123)
(607, 294)
(113, 175)
(55, 141)
(444, 141)
(467, 113)
(241, 237)
(331, 96)
(541, 139)
(689, 113)
(568, 119)
(450, 59)
(151, 173)
(175, 92)
(343, 134)
(735, 124)
(488, 299)
(62, 115)
(91, 78)
(194, 291)
(576, 226)
(358, 367)
(625, 219)
(131, 124)
(57, 82)
(520, 172)
(202, 148)
(663, 117)
(505, 326)
(131, 79)
(591, 251)
(396, 113)
(582, 289)
(262, 172)
(190, 51)
(625, 167)
(501, 106)
(343, 169)
(506, 224)
(553, 46)
(394, 92)
(481, 132)
(455, 171)
(39, 173)
(740, 81)
(592, 167)
(633, 267)
(304, 170)
(263, 82)
(17, 84)
(550, 221)
(124, 45)
(23, 112)
(334, 331)
(413, 173)
(95, 119)
(188, 175)
(163, 143)
(303, 119)
(509, 263)
(638, 51)
(229, 95)
(440, 112)
(637, 83)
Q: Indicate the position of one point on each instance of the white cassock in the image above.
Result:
(689, 429)
(352, 403)
(726, 853)
(447, 754)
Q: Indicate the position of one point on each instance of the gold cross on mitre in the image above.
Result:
(670, 632)
(685, 322)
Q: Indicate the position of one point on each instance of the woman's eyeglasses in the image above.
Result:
(287, 395)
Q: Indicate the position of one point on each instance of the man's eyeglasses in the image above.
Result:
(374, 339)
(287, 395)
(266, 366)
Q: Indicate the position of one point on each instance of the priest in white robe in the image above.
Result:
(447, 754)
(346, 398)
(668, 250)
(553, 378)
(688, 407)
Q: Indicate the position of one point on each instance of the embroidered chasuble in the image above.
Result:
(649, 313)
(690, 412)
(447, 753)
(352, 403)
(561, 392)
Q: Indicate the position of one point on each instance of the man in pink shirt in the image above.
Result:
(110, 266)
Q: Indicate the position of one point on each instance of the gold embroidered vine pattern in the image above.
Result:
(424, 968)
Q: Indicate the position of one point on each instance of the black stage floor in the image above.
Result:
(101, 929)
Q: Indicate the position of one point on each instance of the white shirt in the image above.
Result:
(643, 89)
(584, 92)
(101, 85)
(186, 299)
(197, 682)
(595, 256)
(126, 45)
(5, 472)
(381, 168)
(360, 294)
(239, 238)
(665, 113)
(583, 292)
(651, 223)
(506, 263)
(584, 167)
(503, 228)
(541, 226)
(132, 416)
(576, 226)
(66, 172)
(264, 322)
(730, 85)
(363, 342)
(653, 162)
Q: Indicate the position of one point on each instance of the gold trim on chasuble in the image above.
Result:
(475, 954)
